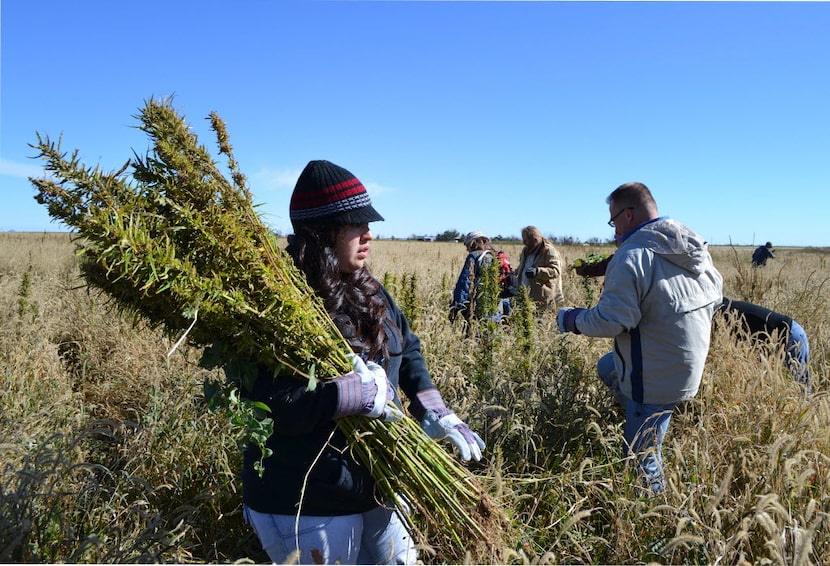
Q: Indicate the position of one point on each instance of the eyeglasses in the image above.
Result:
(611, 222)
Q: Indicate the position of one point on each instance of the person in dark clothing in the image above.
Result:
(314, 498)
(762, 254)
(763, 325)
(759, 323)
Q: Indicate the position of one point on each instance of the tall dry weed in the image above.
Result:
(110, 456)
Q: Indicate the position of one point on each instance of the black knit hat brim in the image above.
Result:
(362, 215)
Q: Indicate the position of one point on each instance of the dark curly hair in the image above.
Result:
(353, 300)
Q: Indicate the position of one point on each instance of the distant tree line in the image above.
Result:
(455, 236)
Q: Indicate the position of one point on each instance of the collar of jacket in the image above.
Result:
(625, 236)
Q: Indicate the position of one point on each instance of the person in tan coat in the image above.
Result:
(540, 269)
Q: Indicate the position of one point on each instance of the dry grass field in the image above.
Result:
(108, 454)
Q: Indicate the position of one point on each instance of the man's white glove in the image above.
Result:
(366, 391)
(449, 426)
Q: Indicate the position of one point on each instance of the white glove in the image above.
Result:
(469, 444)
(377, 392)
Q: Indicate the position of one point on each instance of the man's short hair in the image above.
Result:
(631, 194)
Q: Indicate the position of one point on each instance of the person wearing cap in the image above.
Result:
(479, 258)
(762, 254)
(314, 496)
(660, 293)
(540, 269)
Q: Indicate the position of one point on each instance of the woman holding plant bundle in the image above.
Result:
(314, 498)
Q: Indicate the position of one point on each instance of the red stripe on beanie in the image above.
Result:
(327, 195)
(327, 191)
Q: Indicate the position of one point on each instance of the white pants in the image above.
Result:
(375, 537)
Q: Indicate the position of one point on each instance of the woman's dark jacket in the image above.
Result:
(337, 484)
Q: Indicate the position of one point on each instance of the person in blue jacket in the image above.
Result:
(480, 256)
(314, 497)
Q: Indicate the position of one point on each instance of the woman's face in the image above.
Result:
(530, 241)
(352, 247)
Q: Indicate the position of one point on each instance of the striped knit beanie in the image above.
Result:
(327, 192)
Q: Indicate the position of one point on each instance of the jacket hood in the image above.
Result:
(674, 242)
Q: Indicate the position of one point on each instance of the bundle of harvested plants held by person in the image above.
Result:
(176, 242)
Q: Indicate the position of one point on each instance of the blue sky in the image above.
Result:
(456, 115)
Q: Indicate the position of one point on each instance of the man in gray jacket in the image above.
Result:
(661, 289)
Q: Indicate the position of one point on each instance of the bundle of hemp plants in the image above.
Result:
(170, 239)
